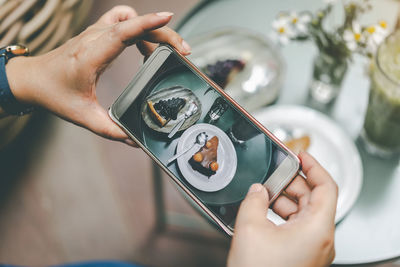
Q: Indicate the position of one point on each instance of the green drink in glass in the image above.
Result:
(381, 134)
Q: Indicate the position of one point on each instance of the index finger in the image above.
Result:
(169, 36)
(113, 39)
(117, 14)
(324, 189)
(149, 27)
(315, 173)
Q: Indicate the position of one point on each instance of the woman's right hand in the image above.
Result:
(305, 240)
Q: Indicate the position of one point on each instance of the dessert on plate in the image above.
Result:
(223, 71)
(298, 145)
(165, 110)
(205, 160)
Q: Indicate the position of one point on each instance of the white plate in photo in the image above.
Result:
(329, 144)
(226, 159)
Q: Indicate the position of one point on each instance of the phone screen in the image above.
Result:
(225, 152)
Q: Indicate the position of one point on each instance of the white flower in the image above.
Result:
(374, 35)
(283, 31)
(382, 28)
(299, 21)
(353, 37)
(330, 2)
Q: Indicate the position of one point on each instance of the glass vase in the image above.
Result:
(328, 74)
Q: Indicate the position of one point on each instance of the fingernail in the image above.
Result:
(255, 188)
(165, 14)
(186, 46)
(130, 142)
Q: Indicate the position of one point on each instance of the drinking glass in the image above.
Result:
(242, 130)
(217, 109)
(381, 132)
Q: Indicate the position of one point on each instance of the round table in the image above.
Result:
(371, 231)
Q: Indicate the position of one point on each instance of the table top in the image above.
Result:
(370, 232)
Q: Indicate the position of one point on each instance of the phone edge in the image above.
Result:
(296, 168)
(293, 172)
(179, 183)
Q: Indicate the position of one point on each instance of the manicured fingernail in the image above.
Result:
(186, 46)
(255, 188)
(165, 14)
(130, 142)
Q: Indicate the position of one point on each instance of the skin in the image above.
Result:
(306, 239)
(63, 81)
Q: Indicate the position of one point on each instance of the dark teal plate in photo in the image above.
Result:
(250, 168)
(249, 171)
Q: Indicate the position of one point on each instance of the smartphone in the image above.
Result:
(210, 146)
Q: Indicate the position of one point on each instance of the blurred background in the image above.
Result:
(67, 195)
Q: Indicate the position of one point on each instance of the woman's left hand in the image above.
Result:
(64, 80)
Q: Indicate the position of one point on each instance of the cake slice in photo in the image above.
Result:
(223, 71)
(205, 160)
(165, 110)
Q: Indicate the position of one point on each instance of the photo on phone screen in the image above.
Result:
(179, 111)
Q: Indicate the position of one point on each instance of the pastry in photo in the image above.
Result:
(205, 160)
(165, 110)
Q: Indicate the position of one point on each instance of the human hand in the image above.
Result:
(64, 80)
(306, 239)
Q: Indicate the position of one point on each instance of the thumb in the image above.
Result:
(99, 122)
(254, 207)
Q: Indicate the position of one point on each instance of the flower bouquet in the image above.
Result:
(336, 46)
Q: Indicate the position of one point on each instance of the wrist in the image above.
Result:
(20, 80)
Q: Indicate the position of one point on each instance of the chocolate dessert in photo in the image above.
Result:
(165, 110)
(223, 71)
(205, 160)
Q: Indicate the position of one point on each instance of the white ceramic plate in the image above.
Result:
(226, 153)
(330, 145)
(264, 67)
